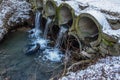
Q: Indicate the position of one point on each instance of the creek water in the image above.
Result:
(49, 53)
(43, 61)
(15, 65)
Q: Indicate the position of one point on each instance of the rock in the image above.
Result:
(32, 49)
(12, 13)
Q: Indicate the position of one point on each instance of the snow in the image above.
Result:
(110, 8)
(11, 13)
(109, 5)
(58, 2)
(22, 12)
(75, 6)
(105, 69)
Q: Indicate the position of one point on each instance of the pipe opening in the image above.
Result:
(50, 9)
(73, 45)
(88, 29)
(65, 16)
(39, 4)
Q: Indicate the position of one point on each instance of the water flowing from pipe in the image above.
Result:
(60, 36)
(35, 36)
(35, 32)
(39, 40)
(49, 53)
(46, 28)
(54, 54)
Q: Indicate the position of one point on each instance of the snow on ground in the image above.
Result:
(108, 5)
(105, 69)
(12, 12)
(21, 13)
(110, 8)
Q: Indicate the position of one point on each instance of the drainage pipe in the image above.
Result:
(66, 15)
(92, 24)
(94, 30)
(37, 4)
(50, 9)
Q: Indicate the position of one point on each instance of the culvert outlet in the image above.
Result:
(92, 27)
(50, 9)
(65, 15)
(89, 27)
(72, 45)
(39, 4)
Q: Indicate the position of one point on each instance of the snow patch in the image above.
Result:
(13, 12)
(105, 69)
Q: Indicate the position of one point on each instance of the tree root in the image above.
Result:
(78, 63)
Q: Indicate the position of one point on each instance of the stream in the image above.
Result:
(15, 65)
(25, 54)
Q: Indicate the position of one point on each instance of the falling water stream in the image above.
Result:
(54, 53)
(46, 28)
(60, 36)
(49, 53)
(36, 36)
(36, 67)
(36, 31)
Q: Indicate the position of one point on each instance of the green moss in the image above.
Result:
(106, 42)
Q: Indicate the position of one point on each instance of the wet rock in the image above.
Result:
(32, 49)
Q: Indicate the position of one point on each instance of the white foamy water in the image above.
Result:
(42, 42)
(36, 37)
(53, 55)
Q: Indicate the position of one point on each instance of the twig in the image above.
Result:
(78, 63)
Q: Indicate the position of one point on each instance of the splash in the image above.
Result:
(35, 36)
(54, 54)
(49, 53)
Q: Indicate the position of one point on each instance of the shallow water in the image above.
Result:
(15, 65)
